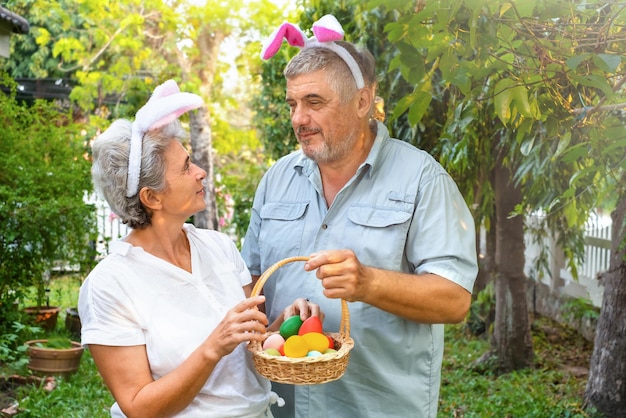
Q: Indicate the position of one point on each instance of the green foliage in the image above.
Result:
(57, 342)
(239, 167)
(580, 309)
(12, 352)
(80, 395)
(44, 176)
(549, 390)
(536, 82)
(482, 311)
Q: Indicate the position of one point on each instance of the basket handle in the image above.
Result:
(344, 327)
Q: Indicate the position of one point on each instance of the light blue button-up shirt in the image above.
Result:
(401, 211)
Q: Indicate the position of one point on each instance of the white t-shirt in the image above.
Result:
(134, 298)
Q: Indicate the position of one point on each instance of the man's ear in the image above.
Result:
(149, 198)
(366, 102)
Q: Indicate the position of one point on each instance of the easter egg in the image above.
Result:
(311, 324)
(331, 342)
(313, 353)
(295, 346)
(281, 350)
(272, 351)
(316, 341)
(329, 351)
(273, 341)
(290, 326)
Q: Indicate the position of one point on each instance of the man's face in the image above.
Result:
(325, 128)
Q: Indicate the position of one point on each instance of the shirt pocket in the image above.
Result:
(282, 228)
(378, 235)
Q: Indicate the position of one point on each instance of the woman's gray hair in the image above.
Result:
(109, 170)
(337, 72)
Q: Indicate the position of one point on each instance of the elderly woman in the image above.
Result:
(167, 314)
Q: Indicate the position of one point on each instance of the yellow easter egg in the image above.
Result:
(316, 341)
(295, 346)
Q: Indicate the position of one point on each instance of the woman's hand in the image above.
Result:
(242, 323)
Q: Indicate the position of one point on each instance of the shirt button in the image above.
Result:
(324, 226)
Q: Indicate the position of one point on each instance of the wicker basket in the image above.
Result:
(303, 370)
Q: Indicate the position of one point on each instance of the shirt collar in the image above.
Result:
(304, 165)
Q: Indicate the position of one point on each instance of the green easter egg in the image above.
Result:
(290, 326)
(272, 351)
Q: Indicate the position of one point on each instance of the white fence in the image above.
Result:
(595, 261)
(110, 227)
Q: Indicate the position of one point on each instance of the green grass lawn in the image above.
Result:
(554, 388)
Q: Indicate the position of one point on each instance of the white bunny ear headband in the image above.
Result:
(165, 105)
(325, 32)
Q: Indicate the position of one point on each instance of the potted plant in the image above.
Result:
(44, 178)
(42, 313)
(54, 356)
(72, 322)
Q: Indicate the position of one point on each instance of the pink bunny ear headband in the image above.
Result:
(325, 32)
(165, 105)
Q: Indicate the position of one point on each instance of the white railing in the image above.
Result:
(597, 247)
(110, 227)
(595, 261)
(596, 258)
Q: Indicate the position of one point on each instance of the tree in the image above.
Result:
(116, 53)
(547, 78)
(44, 220)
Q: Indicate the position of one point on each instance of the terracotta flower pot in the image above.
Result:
(44, 316)
(54, 361)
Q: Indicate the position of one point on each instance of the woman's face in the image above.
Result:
(184, 192)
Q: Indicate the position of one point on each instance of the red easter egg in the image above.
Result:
(281, 349)
(311, 324)
(331, 342)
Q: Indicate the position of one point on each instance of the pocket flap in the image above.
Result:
(283, 211)
(377, 217)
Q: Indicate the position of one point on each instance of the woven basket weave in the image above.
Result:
(303, 370)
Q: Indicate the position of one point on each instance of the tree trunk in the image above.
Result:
(606, 387)
(486, 261)
(512, 341)
(202, 155)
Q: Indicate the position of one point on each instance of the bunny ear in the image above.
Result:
(166, 89)
(166, 104)
(289, 31)
(328, 29)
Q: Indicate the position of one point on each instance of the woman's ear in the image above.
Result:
(149, 198)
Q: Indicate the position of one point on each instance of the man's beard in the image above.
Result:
(331, 150)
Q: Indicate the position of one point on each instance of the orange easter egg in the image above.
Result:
(316, 341)
(311, 324)
(296, 346)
